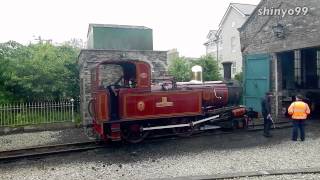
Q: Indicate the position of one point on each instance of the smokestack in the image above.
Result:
(227, 70)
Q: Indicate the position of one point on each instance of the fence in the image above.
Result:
(19, 114)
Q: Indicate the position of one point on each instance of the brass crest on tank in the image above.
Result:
(141, 105)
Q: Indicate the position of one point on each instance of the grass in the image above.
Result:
(13, 119)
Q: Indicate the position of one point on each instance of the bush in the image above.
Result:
(38, 72)
(210, 68)
(180, 68)
(239, 77)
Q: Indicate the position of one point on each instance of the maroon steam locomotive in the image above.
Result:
(131, 108)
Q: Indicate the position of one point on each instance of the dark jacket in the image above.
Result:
(265, 107)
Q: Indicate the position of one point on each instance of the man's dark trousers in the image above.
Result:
(298, 124)
(267, 126)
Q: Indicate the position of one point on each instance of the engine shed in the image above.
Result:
(281, 54)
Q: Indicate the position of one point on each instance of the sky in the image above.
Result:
(181, 24)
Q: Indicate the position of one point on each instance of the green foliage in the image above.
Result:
(210, 68)
(37, 72)
(180, 68)
(239, 77)
(28, 117)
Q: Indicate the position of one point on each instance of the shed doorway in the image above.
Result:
(300, 74)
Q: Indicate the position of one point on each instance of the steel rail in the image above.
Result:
(283, 125)
(37, 151)
(214, 132)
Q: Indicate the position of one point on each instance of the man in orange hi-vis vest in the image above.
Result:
(299, 112)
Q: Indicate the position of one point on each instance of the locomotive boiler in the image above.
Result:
(129, 107)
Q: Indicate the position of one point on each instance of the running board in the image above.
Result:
(180, 125)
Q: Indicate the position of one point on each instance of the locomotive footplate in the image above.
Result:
(228, 117)
(192, 124)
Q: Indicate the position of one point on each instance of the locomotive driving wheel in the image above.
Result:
(133, 134)
(182, 131)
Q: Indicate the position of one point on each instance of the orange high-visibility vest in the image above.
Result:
(299, 110)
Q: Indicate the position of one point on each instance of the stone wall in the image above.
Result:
(89, 58)
(275, 83)
(301, 31)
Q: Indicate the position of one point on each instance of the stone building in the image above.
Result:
(280, 43)
(88, 58)
(224, 43)
(171, 55)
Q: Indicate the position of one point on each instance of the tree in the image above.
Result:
(239, 77)
(180, 68)
(37, 72)
(75, 43)
(210, 68)
(9, 53)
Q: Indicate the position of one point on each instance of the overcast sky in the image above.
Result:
(181, 24)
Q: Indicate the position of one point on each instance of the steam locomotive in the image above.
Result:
(130, 108)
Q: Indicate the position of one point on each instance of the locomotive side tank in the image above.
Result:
(215, 94)
(129, 107)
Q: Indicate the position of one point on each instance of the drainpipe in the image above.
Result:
(217, 42)
(276, 83)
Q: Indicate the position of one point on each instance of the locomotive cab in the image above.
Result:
(110, 78)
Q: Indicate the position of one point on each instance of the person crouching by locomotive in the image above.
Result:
(266, 113)
(299, 111)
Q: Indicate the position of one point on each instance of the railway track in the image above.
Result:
(37, 151)
(277, 125)
(251, 128)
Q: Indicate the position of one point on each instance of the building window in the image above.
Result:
(233, 24)
(233, 44)
(234, 67)
(211, 48)
(297, 67)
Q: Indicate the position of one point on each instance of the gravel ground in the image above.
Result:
(205, 155)
(16, 141)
